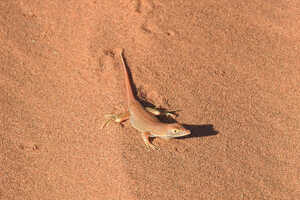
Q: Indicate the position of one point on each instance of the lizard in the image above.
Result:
(144, 118)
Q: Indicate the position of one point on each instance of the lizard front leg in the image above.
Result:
(118, 118)
(145, 137)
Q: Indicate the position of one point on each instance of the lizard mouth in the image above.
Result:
(182, 133)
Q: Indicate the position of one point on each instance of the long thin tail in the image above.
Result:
(130, 96)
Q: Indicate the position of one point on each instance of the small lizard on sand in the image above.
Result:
(143, 119)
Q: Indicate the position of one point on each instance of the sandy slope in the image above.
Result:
(232, 67)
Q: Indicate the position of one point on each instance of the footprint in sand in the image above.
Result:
(29, 147)
(148, 9)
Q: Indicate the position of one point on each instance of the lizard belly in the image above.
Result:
(146, 126)
(143, 121)
(135, 123)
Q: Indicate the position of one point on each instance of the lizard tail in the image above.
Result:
(129, 91)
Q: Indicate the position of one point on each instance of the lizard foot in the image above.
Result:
(153, 147)
(149, 146)
(118, 118)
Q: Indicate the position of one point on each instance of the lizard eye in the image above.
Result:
(175, 130)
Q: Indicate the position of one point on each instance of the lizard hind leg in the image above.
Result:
(118, 118)
(157, 112)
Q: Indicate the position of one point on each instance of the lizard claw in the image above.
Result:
(173, 114)
(106, 123)
(109, 117)
(170, 114)
(153, 147)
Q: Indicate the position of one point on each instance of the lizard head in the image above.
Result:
(177, 130)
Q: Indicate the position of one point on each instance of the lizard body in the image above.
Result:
(143, 119)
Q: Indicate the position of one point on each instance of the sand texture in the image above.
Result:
(232, 68)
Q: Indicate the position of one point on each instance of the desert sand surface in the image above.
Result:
(230, 67)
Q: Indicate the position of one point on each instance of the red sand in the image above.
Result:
(232, 67)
